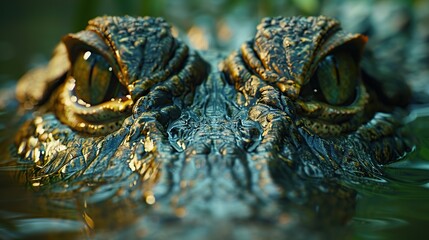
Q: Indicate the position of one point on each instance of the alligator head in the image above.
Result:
(127, 109)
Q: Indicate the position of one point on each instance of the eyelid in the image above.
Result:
(354, 44)
(90, 41)
(100, 113)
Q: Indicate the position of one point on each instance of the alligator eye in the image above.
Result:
(92, 100)
(335, 80)
(95, 81)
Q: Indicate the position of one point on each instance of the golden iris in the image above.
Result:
(95, 80)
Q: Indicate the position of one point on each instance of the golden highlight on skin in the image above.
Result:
(99, 119)
(289, 52)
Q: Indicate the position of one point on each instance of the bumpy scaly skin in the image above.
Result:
(285, 53)
(240, 131)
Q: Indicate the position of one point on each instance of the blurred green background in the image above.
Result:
(31, 29)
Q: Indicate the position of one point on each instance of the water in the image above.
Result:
(395, 207)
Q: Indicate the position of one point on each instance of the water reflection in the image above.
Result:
(306, 208)
(365, 208)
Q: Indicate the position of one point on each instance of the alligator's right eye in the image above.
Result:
(95, 80)
(335, 80)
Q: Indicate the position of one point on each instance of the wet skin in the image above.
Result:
(126, 108)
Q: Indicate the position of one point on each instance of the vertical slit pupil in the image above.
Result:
(334, 81)
(95, 81)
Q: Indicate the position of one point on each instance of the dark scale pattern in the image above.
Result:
(280, 39)
(223, 136)
(146, 51)
(285, 53)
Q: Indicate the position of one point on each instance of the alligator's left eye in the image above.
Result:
(95, 80)
(335, 80)
(92, 100)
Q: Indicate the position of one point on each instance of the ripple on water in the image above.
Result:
(27, 227)
(395, 205)
(378, 223)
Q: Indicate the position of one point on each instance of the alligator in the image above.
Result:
(126, 110)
